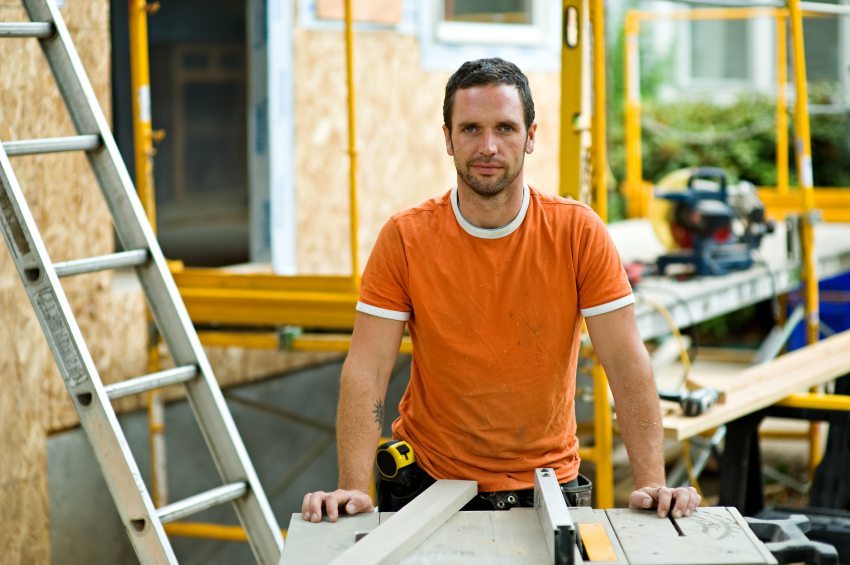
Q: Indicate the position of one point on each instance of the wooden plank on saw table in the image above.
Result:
(395, 538)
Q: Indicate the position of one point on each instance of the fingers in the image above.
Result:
(353, 502)
(358, 502)
(675, 502)
(689, 499)
(685, 501)
(663, 500)
(641, 499)
(311, 506)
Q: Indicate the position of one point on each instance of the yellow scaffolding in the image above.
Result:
(780, 201)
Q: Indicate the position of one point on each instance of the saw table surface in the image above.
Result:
(712, 536)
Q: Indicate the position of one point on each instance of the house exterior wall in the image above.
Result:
(73, 219)
(401, 149)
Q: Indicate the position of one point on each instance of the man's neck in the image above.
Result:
(490, 212)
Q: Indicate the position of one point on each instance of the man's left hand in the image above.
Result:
(676, 502)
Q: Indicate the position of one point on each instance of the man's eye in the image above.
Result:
(470, 129)
(506, 129)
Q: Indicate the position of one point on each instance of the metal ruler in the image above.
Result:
(92, 400)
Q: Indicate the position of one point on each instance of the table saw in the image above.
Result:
(548, 533)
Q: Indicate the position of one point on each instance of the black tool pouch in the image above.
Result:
(394, 493)
(578, 492)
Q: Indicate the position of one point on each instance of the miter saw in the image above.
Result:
(712, 226)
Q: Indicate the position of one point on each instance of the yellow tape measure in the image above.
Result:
(393, 456)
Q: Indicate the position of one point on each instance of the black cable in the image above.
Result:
(774, 298)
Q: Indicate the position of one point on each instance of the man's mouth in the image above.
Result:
(486, 168)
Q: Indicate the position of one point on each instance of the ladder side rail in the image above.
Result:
(79, 372)
(205, 397)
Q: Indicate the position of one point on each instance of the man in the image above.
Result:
(493, 280)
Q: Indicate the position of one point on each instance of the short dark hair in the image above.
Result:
(484, 72)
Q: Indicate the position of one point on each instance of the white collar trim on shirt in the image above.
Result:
(492, 233)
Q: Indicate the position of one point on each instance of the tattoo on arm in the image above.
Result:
(378, 411)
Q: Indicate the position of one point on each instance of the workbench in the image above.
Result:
(747, 394)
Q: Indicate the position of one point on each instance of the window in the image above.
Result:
(723, 57)
(198, 96)
(720, 49)
(489, 12)
(525, 32)
(512, 22)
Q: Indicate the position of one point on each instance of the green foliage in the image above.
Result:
(830, 138)
(739, 137)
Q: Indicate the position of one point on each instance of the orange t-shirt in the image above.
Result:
(495, 319)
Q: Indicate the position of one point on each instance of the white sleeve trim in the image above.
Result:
(382, 312)
(609, 306)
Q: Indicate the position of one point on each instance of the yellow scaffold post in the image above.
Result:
(143, 138)
(578, 118)
(803, 153)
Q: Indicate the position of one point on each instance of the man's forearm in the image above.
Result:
(639, 421)
(360, 419)
(619, 346)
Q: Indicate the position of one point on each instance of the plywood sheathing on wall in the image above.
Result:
(234, 365)
(23, 463)
(68, 208)
(25, 536)
(402, 156)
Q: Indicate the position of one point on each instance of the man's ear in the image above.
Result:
(448, 135)
(529, 140)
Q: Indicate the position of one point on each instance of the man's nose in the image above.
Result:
(488, 144)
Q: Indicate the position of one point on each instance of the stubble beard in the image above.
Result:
(491, 188)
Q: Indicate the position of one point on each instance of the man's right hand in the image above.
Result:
(349, 501)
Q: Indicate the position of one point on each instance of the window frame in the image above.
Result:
(535, 34)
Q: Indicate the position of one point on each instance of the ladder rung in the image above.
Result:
(54, 145)
(199, 502)
(132, 258)
(41, 30)
(152, 381)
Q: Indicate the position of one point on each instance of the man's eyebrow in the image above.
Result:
(512, 124)
(464, 125)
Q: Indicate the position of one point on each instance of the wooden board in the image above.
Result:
(766, 384)
(712, 536)
(396, 537)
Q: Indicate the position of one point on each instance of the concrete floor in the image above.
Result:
(287, 424)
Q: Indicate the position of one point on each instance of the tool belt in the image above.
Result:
(395, 493)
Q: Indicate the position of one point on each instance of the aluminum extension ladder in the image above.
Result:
(91, 398)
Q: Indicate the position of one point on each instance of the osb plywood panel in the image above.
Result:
(402, 157)
(22, 391)
(78, 14)
(234, 366)
(68, 208)
(376, 11)
(25, 533)
(23, 478)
